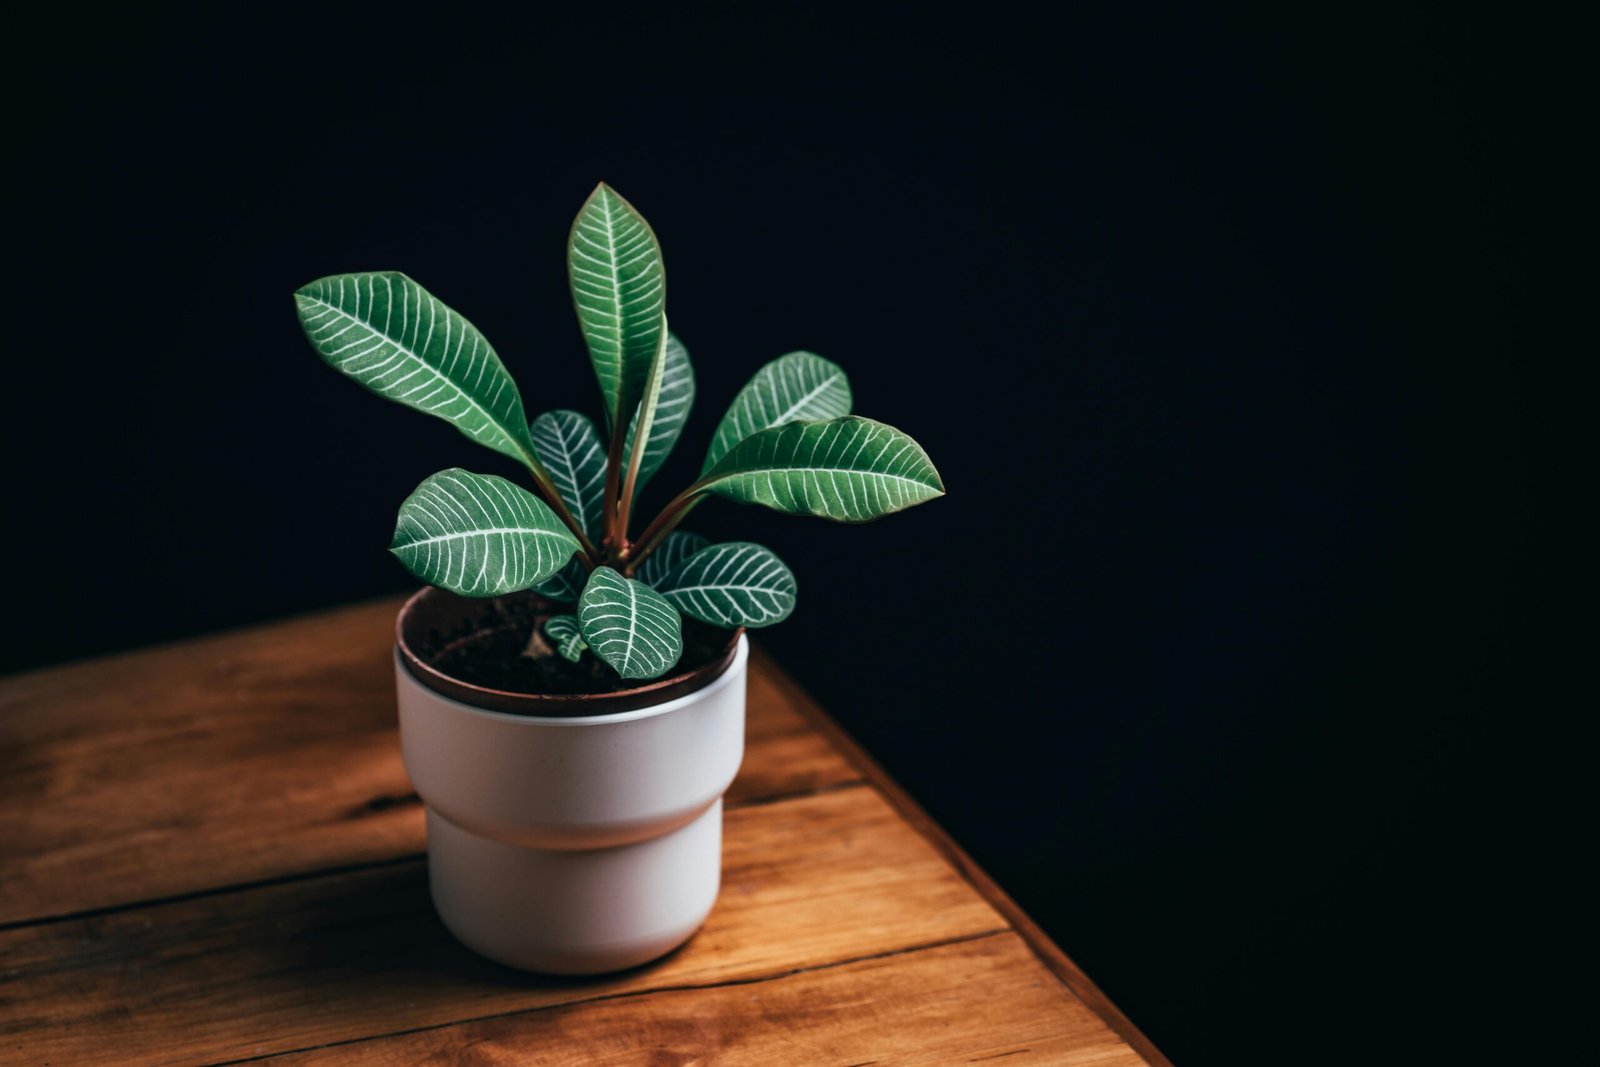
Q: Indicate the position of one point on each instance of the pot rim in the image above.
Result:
(654, 697)
(613, 717)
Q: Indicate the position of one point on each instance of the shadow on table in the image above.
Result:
(377, 929)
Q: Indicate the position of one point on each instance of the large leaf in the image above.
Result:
(790, 388)
(629, 625)
(571, 451)
(733, 584)
(479, 535)
(394, 337)
(620, 290)
(563, 630)
(678, 546)
(672, 411)
(565, 586)
(849, 469)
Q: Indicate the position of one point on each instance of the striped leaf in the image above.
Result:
(620, 290)
(849, 469)
(563, 630)
(678, 546)
(394, 337)
(479, 535)
(799, 386)
(565, 586)
(571, 451)
(730, 585)
(672, 411)
(629, 625)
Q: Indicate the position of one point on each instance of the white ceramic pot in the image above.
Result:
(574, 844)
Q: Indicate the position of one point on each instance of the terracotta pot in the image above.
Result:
(569, 834)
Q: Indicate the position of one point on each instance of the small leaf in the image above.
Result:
(619, 289)
(678, 546)
(849, 469)
(799, 386)
(565, 586)
(730, 585)
(672, 411)
(570, 450)
(397, 339)
(563, 630)
(629, 625)
(479, 535)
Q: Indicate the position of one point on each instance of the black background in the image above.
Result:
(1206, 320)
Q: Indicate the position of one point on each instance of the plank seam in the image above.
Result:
(356, 868)
(213, 891)
(796, 794)
(686, 987)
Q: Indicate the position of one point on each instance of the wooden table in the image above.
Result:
(209, 853)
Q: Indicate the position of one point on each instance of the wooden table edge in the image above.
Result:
(1048, 952)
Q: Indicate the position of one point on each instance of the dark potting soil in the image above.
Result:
(492, 648)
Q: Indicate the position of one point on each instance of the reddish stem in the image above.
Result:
(614, 541)
(547, 491)
(663, 524)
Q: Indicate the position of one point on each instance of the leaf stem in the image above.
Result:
(625, 498)
(547, 490)
(643, 422)
(662, 524)
(613, 540)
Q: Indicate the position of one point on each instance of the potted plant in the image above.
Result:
(571, 695)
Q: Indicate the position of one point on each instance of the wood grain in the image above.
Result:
(987, 1000)
(331, 959)
(247, 757)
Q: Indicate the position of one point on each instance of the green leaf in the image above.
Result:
(394, 337)
(565, 586)
(849, 469)
(799, 386)
(570, 449)
(730, 585)
(629, 625)
(619, 289)
(672, 411)
(563, 630)
(678, 546)
(479, 535)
